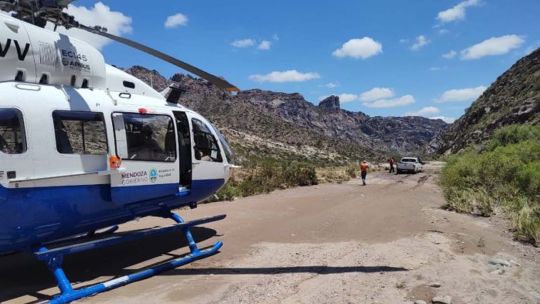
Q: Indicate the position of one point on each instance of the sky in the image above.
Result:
(430, 58)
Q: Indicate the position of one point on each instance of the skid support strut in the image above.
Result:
(54, 258)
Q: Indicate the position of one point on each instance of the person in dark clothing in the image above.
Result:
(391, 161)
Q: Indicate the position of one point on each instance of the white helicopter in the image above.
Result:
(85, 146)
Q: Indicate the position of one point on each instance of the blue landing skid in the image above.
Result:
(54, 258)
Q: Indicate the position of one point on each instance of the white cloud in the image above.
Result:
(248, 42)
(390, 103)
(275, 37)
(243, 43)
(451, 54)
(376, 93)
(492, 46)
(359, 48)
(457, 95)
(444, 118)
(264, 45)
(404, 40)
(420, 42)
(457, 12)
(425, 111)
(116, 23)
(332, 85)
(346, 97)
(176, 21)
(284, 76)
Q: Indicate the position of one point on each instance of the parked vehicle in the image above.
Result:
(409, 164)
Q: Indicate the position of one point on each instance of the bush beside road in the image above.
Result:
(503, 176)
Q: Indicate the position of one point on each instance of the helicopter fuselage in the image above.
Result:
(84, 146)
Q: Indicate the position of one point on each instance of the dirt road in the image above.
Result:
(388, 242)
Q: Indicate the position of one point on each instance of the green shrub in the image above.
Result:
(527, 221)
(352, 170)
(228, 193)
(513, 134)
(265, 174)
(505, 175)
(529, 178)
(299, 174)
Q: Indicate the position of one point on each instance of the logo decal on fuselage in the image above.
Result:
(153, 175)
(74, 60)
(136, 177)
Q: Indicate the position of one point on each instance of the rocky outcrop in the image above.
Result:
(514, 98)
(330, 103)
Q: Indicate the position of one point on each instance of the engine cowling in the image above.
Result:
(32, 54)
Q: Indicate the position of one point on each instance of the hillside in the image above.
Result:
(286, 125)
(514, 98)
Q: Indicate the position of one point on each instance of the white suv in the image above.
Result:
(409, 164)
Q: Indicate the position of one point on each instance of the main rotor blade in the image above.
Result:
(219, 82)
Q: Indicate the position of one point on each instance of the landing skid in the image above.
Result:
(54, 258)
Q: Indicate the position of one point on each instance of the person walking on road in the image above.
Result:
(391, 161)
(363, 171)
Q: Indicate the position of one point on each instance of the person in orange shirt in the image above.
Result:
(363, 171)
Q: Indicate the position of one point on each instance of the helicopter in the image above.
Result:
(84, 147)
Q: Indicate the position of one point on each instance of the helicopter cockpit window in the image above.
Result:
(206, 146)
(80, 133)
(12, 137)
(150, 137)
(229, 154)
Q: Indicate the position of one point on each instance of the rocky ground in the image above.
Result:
(388, 242)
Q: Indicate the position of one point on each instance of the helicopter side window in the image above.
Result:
(12, 137)
(80, 133)
(150, 137)
(206, 146)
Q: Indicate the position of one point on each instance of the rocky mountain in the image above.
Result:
(265, 122)
(514, 98)
(397, 134)
(151, 77)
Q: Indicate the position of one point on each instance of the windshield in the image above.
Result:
(229, 154)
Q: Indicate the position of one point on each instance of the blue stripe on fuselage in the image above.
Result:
(42, 214)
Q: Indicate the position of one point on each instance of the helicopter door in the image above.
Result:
(209, 168)
(146, 143)
(184, 148)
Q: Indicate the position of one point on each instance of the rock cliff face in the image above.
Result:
(514, 98)
(267, 122)
(330, 103)
(397, 134)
